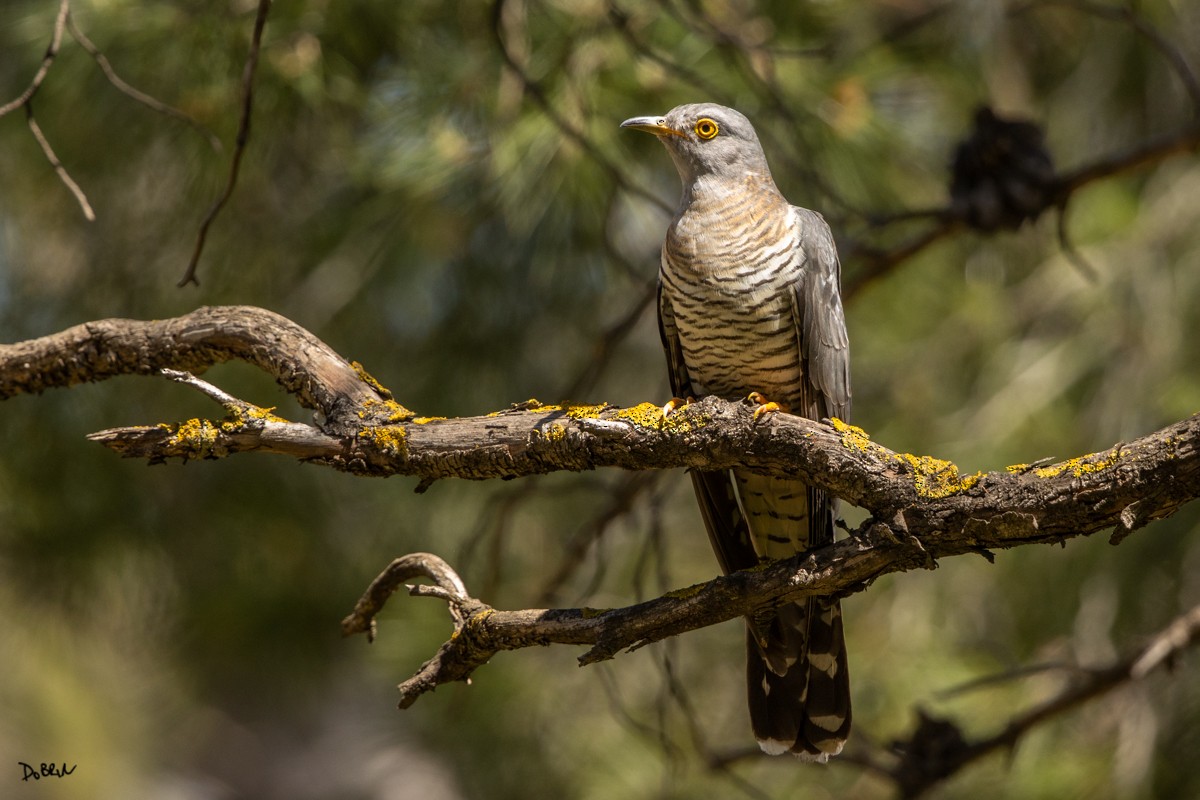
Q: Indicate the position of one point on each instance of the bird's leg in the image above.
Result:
(675, 403)
(765, 406)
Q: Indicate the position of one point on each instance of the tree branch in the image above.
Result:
(56, 164)
(154, 104)
(239, 147)
(937, 748)
(60, 24)
(922, 509)
(362, 428)
(65, 22)
(25, 100)
(301, 363)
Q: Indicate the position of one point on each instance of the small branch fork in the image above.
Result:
(63, 21)
(462, 653)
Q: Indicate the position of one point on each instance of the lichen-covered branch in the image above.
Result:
(482, 631)
(359, 427)
(301, 363)
(461, 655)
(875, 549)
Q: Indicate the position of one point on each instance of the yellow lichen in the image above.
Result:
(197, 436)
(933, 478)
(852, 436)
(425, 420)
(644, 415)
(239, 418)
(683, 423)
(476, 619)
(388, 410)
(554, 432)
(391, 439)
(369, 379)
(1017, 468)
(1083, 465)
(264, 414)
(579, 411)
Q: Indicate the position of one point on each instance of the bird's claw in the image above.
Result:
(765, 406)
(676, 403)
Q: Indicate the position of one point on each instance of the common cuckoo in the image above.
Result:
(750, 306)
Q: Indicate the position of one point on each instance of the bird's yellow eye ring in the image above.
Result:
(706, 128)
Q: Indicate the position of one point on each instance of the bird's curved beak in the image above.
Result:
(656, 125)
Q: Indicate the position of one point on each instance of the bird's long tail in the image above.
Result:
(798, 681)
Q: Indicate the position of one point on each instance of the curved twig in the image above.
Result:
(25, 100)
(139, 96)
(243, 136)
(462, 653)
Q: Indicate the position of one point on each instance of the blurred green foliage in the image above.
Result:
(471, 235)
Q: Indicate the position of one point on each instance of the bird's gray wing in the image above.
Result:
(820, 321)
(681, 382)
(822, 722)
(727, 528)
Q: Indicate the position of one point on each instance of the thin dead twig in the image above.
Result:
(25, 100)
(60, 24)
(535, 91)
(243, 136)
(141, 97)
(59, 169)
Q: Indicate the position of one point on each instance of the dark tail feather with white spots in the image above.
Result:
(798, 682)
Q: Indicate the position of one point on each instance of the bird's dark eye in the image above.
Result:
(706, 128)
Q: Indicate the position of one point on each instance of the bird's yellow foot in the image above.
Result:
(765, 406)
(675, 403)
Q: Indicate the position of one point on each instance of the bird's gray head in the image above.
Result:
(706, 139)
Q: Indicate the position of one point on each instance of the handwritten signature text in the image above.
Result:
(45, 770)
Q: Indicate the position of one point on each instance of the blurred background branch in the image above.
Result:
(65, 22)
(937, 748)
(239, 145)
